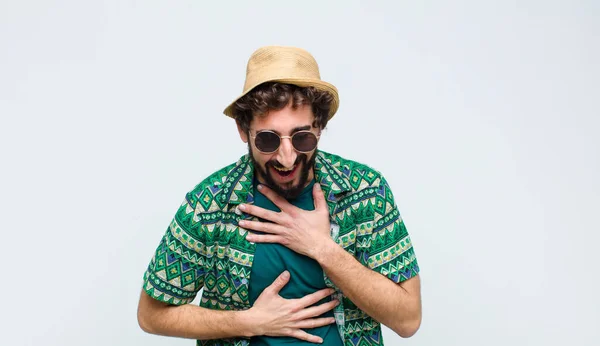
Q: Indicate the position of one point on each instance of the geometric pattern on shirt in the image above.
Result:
(203, 246)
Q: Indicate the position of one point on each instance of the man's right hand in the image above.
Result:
(274, 315)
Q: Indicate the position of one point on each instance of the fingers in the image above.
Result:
(314, 322)
(261, 212)
(313, 298)
(302, 335)
(279, 283)
(266, 238)
(317, 310)
(262, 226)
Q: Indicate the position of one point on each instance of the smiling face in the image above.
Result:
(286, 170)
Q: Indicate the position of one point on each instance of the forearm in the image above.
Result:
(191, 321)
(381, 298)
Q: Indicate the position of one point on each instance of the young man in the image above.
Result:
(292, 245)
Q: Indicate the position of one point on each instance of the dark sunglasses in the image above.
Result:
(268, 141)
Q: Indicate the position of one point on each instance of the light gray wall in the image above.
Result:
(483, 116)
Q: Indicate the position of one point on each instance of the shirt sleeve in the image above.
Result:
(391, 252)
(176, 271)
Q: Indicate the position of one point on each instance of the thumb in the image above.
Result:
(319, 197)
(280, 282)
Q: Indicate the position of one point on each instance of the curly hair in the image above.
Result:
(275, 96)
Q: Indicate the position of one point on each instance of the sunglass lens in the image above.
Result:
(267, 142)
(304, 141)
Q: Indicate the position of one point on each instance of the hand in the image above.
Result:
(277, 316)
(305, 232)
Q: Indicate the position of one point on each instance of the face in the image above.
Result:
(286, 170)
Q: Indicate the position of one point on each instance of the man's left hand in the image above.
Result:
(305, 232)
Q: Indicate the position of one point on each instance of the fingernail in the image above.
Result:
(337, 303)
(285, 274)
(242, 207)
(318, 186)
(332, 320)
(242, 222)
(260, 187)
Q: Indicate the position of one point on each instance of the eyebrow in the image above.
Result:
(301, 128)
(296, 129)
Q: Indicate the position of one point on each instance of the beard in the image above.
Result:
(287, 190)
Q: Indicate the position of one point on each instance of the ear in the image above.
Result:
(243, 134)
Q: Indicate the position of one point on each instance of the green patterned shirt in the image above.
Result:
(204, 247)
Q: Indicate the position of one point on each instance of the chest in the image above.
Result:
(230, 258)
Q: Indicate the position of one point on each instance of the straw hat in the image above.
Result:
(286, 65)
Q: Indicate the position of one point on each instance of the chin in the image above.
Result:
(289, 190)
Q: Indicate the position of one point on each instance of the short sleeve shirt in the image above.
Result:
(205, 248)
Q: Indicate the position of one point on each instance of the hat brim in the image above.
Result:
(317, 83)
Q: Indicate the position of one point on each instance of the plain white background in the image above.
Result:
(483, 116)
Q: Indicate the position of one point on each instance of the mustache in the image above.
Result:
(276, 164)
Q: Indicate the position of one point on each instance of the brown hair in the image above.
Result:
(275, 96)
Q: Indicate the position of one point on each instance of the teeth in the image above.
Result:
(283, 169)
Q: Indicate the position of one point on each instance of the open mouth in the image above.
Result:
(285, 172)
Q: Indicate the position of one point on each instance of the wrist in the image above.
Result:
(325, 250)
(247, 323)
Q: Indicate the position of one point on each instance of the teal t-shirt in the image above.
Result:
(306, 276)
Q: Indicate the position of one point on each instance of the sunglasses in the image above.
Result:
(268, 142)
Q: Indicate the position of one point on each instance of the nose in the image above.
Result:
(286, 155)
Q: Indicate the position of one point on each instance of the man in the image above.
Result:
(291, 244)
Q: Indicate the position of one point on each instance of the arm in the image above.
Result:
(387, 286)
(398, 306)
(164, 307)
(271, 315)
(191, 321)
